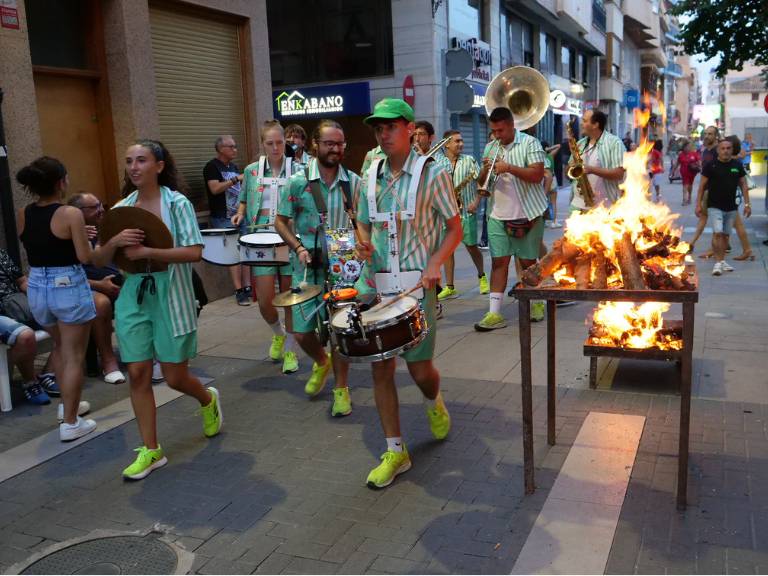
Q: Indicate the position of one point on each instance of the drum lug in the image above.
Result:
(410, 326)
(344, 346)
(379, 343)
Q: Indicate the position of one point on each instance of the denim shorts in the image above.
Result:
(60, 294)
(10, 330)
(721, 221)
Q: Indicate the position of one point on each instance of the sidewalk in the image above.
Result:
(282, 490)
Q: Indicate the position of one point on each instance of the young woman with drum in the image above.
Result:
(259, 197)
(155, 314)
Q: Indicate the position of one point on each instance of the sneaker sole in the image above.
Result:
(480, 328)
(78, 436)
(221, 412)
(451, 297)
(148, 470)
(341, 414)
(404, 468)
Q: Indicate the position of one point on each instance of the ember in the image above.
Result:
(628, 325)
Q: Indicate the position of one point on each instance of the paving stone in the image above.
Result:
(309, 566)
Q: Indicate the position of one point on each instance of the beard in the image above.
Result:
(330, 160)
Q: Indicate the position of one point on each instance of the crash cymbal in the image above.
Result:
(156, 235)
(296, 296)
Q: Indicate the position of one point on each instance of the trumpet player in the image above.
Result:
(515, 226)
(603, 155)
(464, 170)
(423, 138)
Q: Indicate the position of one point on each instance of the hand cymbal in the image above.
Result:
(296, 296)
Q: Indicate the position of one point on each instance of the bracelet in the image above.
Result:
(300, 247)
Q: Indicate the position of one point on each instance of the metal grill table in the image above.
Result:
(524, 295)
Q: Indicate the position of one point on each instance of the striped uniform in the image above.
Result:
(179, 217)
(372, 154)
(252, 191)
(465, 166)
(420, 236)
(523, 151)
(610, 151)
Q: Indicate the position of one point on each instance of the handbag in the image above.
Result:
(520, 227)
(751, 184)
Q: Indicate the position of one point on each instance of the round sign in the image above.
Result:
(409, 92)
(557, 98)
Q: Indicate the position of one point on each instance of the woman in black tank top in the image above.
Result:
(60, 298)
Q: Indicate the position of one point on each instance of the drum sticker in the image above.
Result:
(343, 268)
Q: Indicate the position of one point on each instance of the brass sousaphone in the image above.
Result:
(525, 92)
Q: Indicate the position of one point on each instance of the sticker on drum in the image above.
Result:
(342, 265)
(263, 249)
(220, 246)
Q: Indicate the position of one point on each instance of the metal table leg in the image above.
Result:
(551, 372)
(524, 311)
(685, 404)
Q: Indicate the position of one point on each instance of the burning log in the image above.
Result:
(583, 271)
(600, 276)
(631, 273)
(562, 251)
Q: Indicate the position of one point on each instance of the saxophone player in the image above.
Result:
(602, 154)
(464, 170)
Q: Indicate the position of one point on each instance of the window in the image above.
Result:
(548, 53)
(755, 96)
(528, 44)
(568, 56)
(598, 14)
(584, 68)
(59, 33)
(332, 40)
(465, 18)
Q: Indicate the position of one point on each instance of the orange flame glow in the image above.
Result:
(628, 325)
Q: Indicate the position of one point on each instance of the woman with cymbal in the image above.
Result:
(155, 314)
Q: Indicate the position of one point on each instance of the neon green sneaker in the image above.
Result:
(290, 362)
(491, 321)
(316, 382)
(147, 461)
(484, 286)
(537, 311)
(276, 348)
(342, 405)
(213, 417)
(392, 464)
(448, 293)
(439, 419)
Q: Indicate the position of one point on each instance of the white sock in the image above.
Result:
(395, 444)
(290, 343)
(495, 300)
(431, 404)
(277, 328)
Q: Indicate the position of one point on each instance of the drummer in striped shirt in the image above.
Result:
(424, 242)
(465, 171)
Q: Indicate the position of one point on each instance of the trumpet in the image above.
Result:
(483, 189)
(437, 146)
(576, 170)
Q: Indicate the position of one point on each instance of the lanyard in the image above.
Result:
(274, 184)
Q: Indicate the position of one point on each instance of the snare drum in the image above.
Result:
(263, 249)
(386, 332)
(220, 246)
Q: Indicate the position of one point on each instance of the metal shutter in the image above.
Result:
(198, 82)
(468, 133)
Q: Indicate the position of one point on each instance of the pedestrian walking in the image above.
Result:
(689, 163)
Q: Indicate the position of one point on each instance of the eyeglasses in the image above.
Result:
(333, 144)
(98, 206)
(229, 145)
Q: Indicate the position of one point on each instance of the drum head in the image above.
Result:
(339, 319)
(261, 239)
(392, 311)
(218, 231)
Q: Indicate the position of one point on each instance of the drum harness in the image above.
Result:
(274, 185)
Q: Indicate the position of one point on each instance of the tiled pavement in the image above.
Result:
(281, 490)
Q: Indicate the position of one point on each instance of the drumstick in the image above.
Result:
(397, 298)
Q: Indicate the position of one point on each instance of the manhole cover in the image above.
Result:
(111, 555)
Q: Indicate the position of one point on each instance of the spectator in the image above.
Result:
(105, 282)
(550, 183)
(222, 184)
(14, 305)
(656, 167)
(689, 162)
(296, 138)
(746, 152)
(23, 348)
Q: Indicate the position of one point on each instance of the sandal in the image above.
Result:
(706, 255)
(746, 255)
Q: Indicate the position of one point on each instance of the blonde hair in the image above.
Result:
(270, 125)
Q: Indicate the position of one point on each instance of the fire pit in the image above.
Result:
(629, 258)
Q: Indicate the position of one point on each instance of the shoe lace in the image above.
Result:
(34, 390)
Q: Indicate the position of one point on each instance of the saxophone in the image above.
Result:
(576, 170)
(463, 184)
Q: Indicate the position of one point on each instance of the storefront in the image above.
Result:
(348, 104)
(474, 124)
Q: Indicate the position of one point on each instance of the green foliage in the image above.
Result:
(734, 30)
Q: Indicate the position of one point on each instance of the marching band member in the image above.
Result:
(318, 198)
(259, 198)
(465, 171)
(515, 225)
(423, 137)
(401, 229)
(296, 138)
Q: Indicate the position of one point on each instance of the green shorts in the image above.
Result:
(303, 323)
(144, 330)
(426, 349)
(284, 270)
(502, 244)
(469, 229)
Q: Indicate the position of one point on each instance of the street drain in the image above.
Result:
(122, 554)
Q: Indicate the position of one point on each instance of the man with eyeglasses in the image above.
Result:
(222, 185)
(105, 285)
(324, 185)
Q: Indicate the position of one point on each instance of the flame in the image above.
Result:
(628, 325)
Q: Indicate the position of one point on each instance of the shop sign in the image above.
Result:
(479, 91)
(631, 99)
(564, 105)
(9, 14)
(352, 99)
(481, 58)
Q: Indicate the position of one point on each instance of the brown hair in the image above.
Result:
(269, 125)
(296, 129)
(169, 177)
(41, 176)
(324, 123)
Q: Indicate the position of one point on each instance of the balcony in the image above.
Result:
(598, 15)
(672, 69)
(673, 34)
(653, 57)
(638, 14)
(611, 90)
(575, 14)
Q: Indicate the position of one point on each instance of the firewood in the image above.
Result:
(533, 275)
(583, 271)
(629, 264)
(600, 274)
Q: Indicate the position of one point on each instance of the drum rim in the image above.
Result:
(249, 245)
(381, 356)
(218, 231)
(389, 321)
(219, 263)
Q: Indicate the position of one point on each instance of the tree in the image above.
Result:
(734, 30)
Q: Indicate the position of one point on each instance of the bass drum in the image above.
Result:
(220, 246)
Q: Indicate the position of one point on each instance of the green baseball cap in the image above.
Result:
(389, 109)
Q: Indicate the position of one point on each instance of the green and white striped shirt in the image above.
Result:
(610, 151)
(372, 154)
(179, 216)
(465, 166)
(252, 190)
(420, 236)
(523, 151)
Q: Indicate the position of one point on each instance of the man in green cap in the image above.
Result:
(401, 236)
